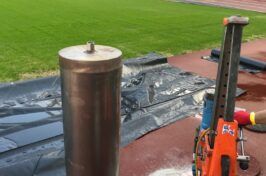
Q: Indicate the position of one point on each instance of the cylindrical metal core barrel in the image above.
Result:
(90, 79)
(208, 100)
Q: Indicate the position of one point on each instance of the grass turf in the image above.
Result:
(32, 31)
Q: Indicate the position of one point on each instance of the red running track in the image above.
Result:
(253, 5)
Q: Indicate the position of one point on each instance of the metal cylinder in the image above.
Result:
(207, 110)
(90, 81)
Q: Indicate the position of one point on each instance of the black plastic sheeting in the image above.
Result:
(154, 94)
(246, 64)
(257, 128)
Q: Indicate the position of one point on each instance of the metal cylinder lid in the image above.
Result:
(209, 94)
(90, 58)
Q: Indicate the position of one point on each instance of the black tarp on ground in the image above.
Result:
(154, 94)
(246, 64)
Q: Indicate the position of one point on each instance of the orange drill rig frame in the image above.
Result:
(215, 150)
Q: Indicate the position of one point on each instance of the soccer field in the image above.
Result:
(32, 31)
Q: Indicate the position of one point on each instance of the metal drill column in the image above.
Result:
(226, 82)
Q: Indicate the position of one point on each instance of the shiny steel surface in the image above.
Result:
(91, 109)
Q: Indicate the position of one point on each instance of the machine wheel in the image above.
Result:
(244, 165)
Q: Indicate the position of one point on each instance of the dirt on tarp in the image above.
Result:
(154, 94)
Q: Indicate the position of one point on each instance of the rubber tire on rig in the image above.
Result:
(225, 162)
(244, 165)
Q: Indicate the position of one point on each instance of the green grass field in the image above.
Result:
(32, 31)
